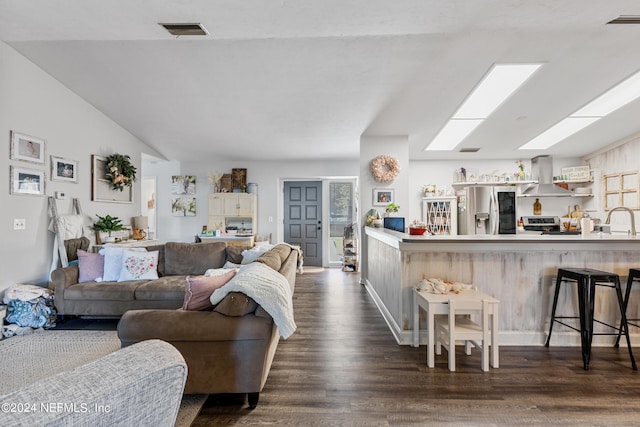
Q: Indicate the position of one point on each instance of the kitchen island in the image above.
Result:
(519, 270)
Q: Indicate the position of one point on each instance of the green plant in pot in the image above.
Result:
(392, 209)
(107, 224)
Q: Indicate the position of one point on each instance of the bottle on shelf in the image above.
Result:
(537, 207)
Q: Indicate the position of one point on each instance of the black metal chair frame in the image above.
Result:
(587, 279)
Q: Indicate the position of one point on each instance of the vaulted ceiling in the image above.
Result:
(300, 79)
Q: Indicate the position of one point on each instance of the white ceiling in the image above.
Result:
(299, 79)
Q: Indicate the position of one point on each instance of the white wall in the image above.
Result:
(395, 146)
(268, 175)
(620, 157)
(34, 103)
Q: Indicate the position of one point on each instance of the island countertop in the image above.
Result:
(519, 270)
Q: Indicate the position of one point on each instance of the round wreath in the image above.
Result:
(120, 171)
(385, 168)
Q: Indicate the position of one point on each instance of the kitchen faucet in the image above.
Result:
(622, 208)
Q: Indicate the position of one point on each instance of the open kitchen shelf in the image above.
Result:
(465, 184)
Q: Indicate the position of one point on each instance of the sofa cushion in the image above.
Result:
(91, 266)
(236, 304)
(164, 288)
(199, 289)
(106, 291)
(234, 253)
(193, 258)
(139, 266)
(275, 256)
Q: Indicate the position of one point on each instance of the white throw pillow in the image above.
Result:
(250, 255)
(113, 261)
(138, 265)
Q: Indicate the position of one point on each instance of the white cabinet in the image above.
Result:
(232, 209)
(440, 214)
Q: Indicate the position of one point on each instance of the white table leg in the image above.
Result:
(495, 350)
(416, 321)
(430, 339)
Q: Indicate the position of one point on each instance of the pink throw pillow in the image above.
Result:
(91, 266)
(200, 288)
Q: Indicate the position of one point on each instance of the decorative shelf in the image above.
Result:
(466, 184)
(574, 181)
(554, 195)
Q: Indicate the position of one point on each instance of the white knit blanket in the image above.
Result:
(268, 288)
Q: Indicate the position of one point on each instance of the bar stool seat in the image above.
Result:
(634, 275)
(587, 279)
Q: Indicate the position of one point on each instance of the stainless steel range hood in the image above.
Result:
(542, 171)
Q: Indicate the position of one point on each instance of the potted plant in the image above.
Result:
(107, 224)
(392, 209)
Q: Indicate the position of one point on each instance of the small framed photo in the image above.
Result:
(383, 196)
(27, 181)
(64, 169)
(27, 148)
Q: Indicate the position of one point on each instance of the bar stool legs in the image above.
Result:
(587, 280)
(634, 274)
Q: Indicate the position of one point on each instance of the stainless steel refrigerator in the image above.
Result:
(487, 210)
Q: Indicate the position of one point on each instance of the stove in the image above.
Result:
(541, 223)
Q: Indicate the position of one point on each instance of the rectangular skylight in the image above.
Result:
(452, 134)
(558, 132)
(615, 98)
(496, 86)
(500, 82)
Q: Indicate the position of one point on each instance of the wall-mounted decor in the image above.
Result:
(239, 179)
(27, 148)
(183, 206)
(622, 189)
(102, 187)
(225, 183)
(385, 168)
(27, 181)
(183, 184)
(383, 196)
(64, 169)
(120, 171)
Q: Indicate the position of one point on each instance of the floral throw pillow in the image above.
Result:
(139, 266)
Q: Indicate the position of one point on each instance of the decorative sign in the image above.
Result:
(576, 173)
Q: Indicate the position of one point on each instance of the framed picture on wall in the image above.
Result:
(183, 184)
(27, 148)
(64, 169)
(27, 181)
(101, 187)
(383, 196)
(183, 206)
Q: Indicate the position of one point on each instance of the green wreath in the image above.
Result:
(120, 171)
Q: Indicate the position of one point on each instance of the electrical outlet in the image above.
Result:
(270, 219)
(19, 224)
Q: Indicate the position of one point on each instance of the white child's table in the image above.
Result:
(434, 304)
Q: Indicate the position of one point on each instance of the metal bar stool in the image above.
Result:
(587, 279)
(634, 274)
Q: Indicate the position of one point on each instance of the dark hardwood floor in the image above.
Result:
(342, 367)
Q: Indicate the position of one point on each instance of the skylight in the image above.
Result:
(496, 86)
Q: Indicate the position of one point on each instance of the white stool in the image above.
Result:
(455, 327)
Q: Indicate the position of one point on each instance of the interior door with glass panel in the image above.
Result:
(303, 218)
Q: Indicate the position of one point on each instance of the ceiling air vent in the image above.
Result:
(626, 19)
(185, 29)
(469, 150)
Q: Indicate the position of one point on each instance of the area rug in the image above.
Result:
(29, 358)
